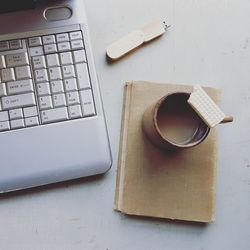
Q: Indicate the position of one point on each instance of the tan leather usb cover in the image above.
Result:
(136, 38)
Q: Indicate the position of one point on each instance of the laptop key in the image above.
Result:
(36, 51)
(45, 102)
(43, 89)
(19, 59)
(30, 112)
(54, 115)
(4, 45)
(8, 74)
(35, 41)
(18, 87)
(75, 35)
(78, 44)
(83, 76)
(55, 73)
(63, 46)
(70, 84)
(4, 126)
(2, 62)
(57, 87)
(4, 116)
(41, 75)
(59, 100)
(68, 71)
(31, 121)
(72, 98)
(66, 58)
(50, 48)
(64, 37)
(3, 89)
(14, 124)
(87, 102)
(18, 101)
(23, 72)
(38, 62)
(15, 44)
(79, 56)
(16, 114)
(75, 111)
(49, 39)
(52, 60)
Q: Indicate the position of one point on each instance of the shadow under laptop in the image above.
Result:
(54, 186)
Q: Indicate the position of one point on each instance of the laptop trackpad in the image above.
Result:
(58, 13)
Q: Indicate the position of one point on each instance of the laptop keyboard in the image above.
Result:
(44, 79)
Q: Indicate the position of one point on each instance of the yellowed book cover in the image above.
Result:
(152, 182)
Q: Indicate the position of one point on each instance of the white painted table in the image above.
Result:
(208, 43)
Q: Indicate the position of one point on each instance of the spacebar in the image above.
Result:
(54, 115)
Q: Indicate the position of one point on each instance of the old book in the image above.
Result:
(151, 182)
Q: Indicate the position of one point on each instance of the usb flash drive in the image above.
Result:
(135, 39)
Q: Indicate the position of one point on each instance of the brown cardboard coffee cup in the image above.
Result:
(171, 124)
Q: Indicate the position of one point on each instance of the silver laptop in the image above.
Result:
(52, 125)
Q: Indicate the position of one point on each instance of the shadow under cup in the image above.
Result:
(172, 123)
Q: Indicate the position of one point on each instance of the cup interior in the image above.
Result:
(177, 122)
